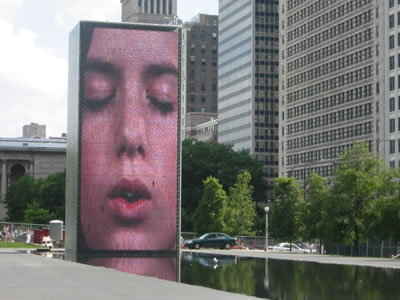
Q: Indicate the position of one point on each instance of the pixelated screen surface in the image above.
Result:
(129, 113)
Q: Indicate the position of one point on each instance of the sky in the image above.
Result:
(34, 56)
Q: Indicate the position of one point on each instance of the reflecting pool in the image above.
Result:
(270, 278)
(285, 279)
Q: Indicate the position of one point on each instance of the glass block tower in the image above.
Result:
(248, 80)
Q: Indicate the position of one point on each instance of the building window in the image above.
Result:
(214, 87)
(391, 126)
(392, 147)
(398, 15)
(192, 75)
(214, 35)
(392, 164)
(203, 61)
(203, 49)
(391, 21)
(203, 87)
(192, 98)
(214, 49)
(391, 83)
(398, 39)
(214, 61)
(391, 41)
(391, 105)
(391, 62)
(203, 75)
(391, 3)
(398, 124)
(203, 35)
(203, 99)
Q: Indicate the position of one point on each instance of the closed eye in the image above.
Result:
(162, 91)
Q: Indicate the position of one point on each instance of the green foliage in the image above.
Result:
(49, 194)
(20, 193)
(241, 210)
(200, 160)
(52, 194)
(385, 211)
(358, 177)
(311, 211)
(285, 215)
(210, 213)
(36, 215)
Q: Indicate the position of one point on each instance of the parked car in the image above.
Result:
(286, 247)
(212, 240)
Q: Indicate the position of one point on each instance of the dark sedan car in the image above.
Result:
(212, 240)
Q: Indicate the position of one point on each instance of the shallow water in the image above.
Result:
(284, 279)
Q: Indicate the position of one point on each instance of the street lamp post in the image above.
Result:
(266, 228)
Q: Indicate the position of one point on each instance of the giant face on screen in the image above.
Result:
(129, 138)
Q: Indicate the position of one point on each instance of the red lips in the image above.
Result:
(129, 201)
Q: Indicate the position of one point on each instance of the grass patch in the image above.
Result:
(17, 245)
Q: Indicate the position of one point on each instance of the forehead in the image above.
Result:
(150, 44)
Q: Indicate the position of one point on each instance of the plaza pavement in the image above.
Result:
(32, 277)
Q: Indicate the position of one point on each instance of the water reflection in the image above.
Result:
(160, 267)
(281, 279)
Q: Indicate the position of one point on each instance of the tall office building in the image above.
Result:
(248, 79)
(149, 11)
(332, 75)
(200, 37)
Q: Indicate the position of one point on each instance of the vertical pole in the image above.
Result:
(266, 232)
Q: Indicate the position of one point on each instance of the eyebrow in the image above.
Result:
(155, 70)
(100, 66)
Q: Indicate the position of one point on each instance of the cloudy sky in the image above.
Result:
(34, 53)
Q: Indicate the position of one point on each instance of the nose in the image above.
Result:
(131, 131)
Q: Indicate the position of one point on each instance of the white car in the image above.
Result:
(286, 247)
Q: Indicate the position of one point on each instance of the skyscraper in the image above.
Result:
(248, 79)
(201, 44)
(149, 11)
(332, 87)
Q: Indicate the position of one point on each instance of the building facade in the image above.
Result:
(248, 83)
(149, 11)
(34, 130)
(201, 126)
(201, 63)
(37, 157)
(332, 82)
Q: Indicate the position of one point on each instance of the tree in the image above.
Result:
(200, 160)
(210, 213)
(52, 194)
(36, 215)
(384, 220)
(312, 210)
(20, 193)
(241, 210)
(285, 209)
(357, 180)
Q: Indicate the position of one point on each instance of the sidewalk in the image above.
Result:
(31, 277)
